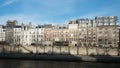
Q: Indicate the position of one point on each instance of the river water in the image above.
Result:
(54, 64)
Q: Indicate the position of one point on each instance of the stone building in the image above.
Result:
(87, 32)
(11, 23)
(107, 31)
(101, 31)
(24, 35)
(60, 34)
(2, 33)
(48, 34)
(73, 32)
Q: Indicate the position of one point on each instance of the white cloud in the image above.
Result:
(51, 11)
(8, 2)
(45, 11)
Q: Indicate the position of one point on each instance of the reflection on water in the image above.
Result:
(54, 64)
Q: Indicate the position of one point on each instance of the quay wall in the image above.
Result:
(111, 51)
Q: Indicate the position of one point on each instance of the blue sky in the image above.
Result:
(56, 11)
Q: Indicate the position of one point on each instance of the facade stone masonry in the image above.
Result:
(103, 31)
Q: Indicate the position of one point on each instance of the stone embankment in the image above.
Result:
(111, 51)
(61, 53)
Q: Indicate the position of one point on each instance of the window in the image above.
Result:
(100, 28)
(99, 40)
(112, 23)
(114, 32)
(106, 23)
(111, 20)
(100, 24)
(105, 32)
(106, 40)
(3, 30)
(106, 28)
(100, 32)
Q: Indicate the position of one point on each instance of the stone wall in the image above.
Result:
(60, 50)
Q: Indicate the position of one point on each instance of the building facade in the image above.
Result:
(107, 31)
(102, 31)
(87, 32)
(24, 35)
(2, 33)
(73, 32)
(48, 35)
(11, 23)
(60, 34)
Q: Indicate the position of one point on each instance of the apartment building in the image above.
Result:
(60, 34)
(73, 32)
(102, 31)
(87, 32)
(107, 31)
(11, 23)
(2, 33)
(24, 35)
(48, 34)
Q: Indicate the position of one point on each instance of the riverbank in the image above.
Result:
(58, 57)
(111, 51)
